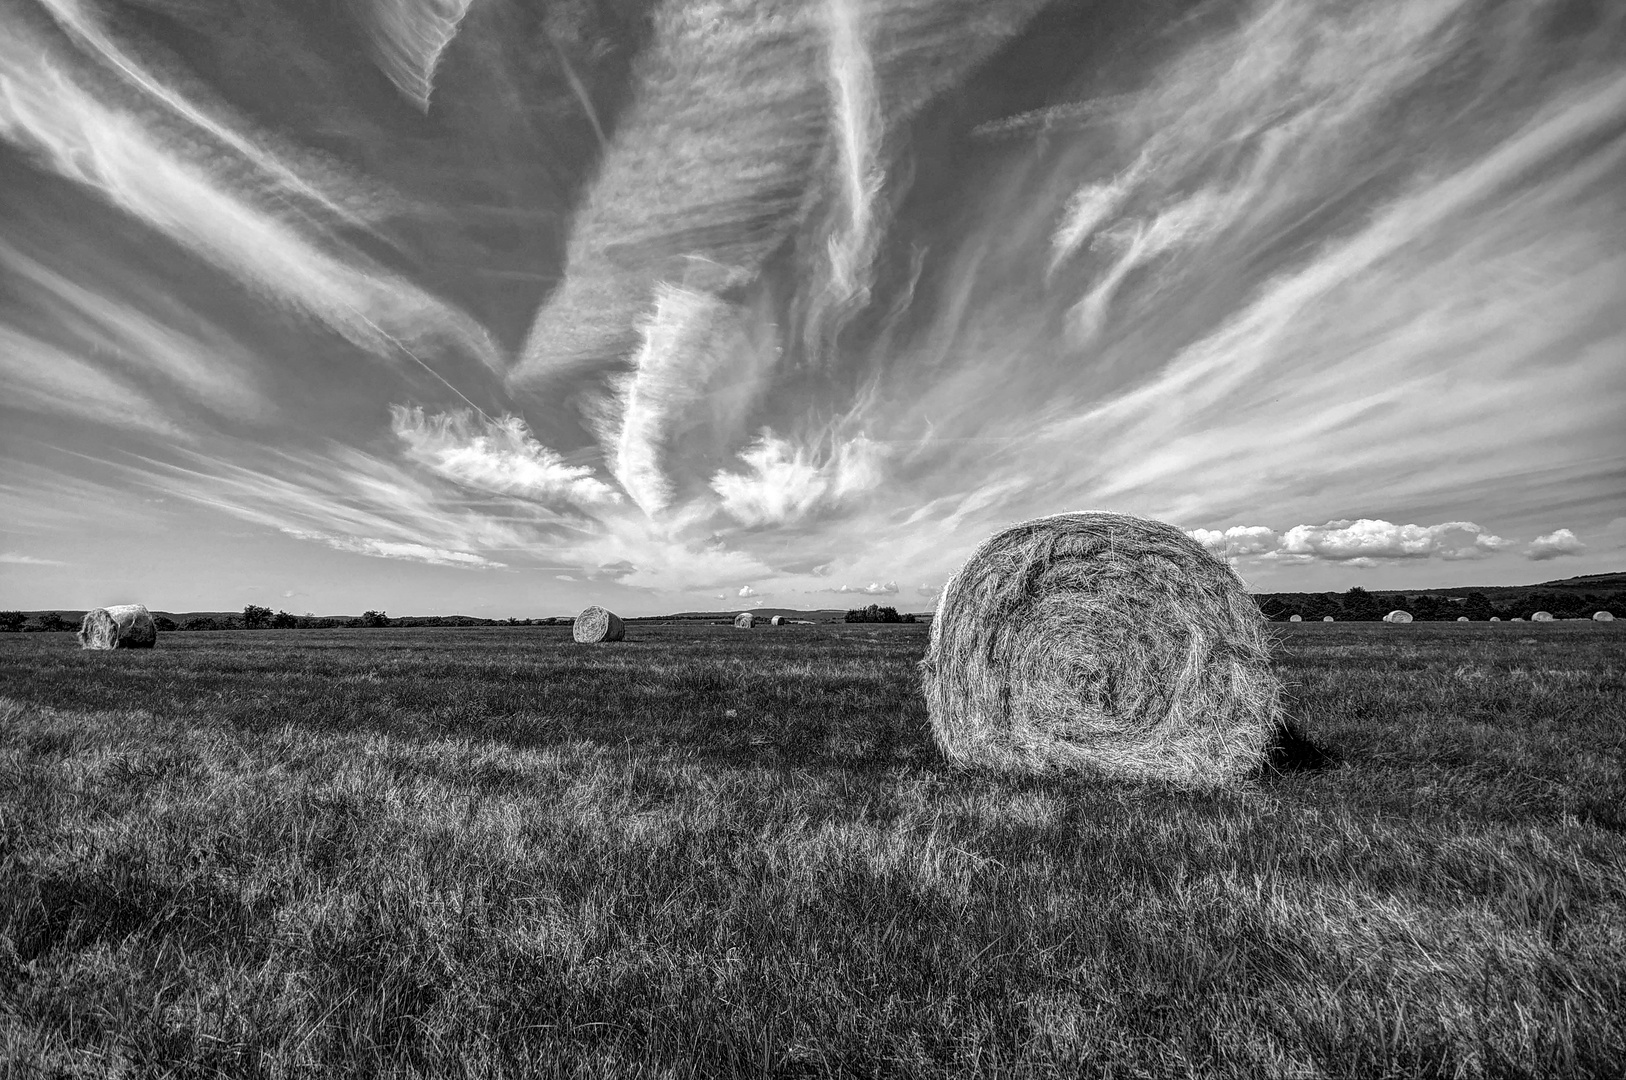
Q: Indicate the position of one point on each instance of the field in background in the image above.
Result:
(497, 853)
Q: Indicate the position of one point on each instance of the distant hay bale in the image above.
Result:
(1100, 643)
(1328, 618)
(1398, 616)
(595, 624)
(122, 626)
(744, 621)
(1542, 616)
(1603, 616)
(1495, 618)
(777, 620)
(1295, 618)
(1517, 618)
(1463, 618)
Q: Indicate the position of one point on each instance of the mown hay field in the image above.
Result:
(706, 852)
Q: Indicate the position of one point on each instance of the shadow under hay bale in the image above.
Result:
(122, 626)
(1100, 643)
(1289, 751)
(595, 625)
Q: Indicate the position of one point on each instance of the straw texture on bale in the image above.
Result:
(777, 620)
(1295, 618)
(1542, 616)
(595, 624)
(1603, 616)
(1398, 616)
(122, 626)
(1100, 643)
(744, 621)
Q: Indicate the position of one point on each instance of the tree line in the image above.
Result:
(1358, 605)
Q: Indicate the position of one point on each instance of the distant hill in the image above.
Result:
(1567, 597)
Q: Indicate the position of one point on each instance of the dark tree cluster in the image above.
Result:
(1358, 605)
(876, 613)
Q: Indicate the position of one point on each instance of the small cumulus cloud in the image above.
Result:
(1369, 538)
(746, 591)
(1555, 544)
(1359, 542)
(874, 588)
(1237, 540)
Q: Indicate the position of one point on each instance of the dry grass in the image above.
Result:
(1103, 643)
(492, 853)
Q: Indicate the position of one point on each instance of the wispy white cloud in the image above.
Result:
(17, 558)
(783, 483)
(715, 164)
(694, 371)
(494, 455)
(1553, 545)
(213, 368)
(396, 549)
(128, 157)
(47, 380)
(409, 37)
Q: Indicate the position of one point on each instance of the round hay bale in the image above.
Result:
(1495, 618)
(1603, 616)
(595, 624)
(1328, 618)
(121, 626)
(777, 620)
(1463, 618)
(1542, 616)
(1102, 643)
(1295, 618)
(1397, 616)
(1517, 618)
(744, 620)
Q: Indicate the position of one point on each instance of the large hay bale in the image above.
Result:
(1398, 616)
(777, 620)
(1100, 643)
(744, 620)
(1295, 618)
(121, 626)
(595, 624)
(1542, 616)
(1603, 616)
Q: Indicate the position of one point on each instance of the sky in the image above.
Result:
(504, 308)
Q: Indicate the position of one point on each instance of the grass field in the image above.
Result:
(704, 851)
